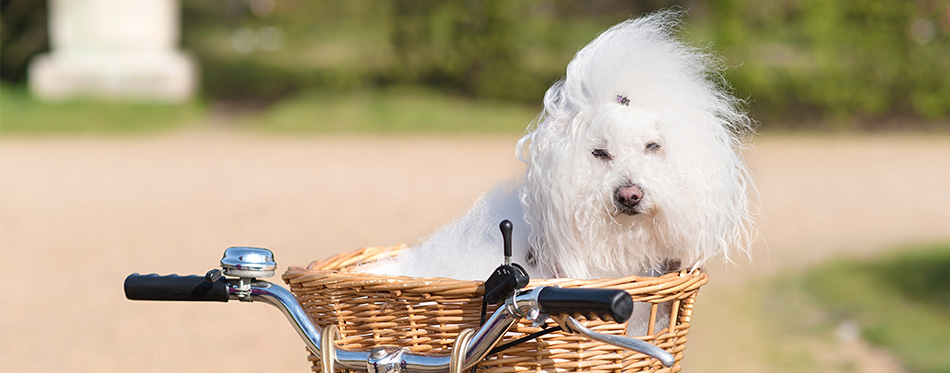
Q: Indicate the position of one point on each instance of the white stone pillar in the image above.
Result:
(114, 49)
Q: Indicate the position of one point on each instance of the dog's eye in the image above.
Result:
(602, 154)
(652, 147)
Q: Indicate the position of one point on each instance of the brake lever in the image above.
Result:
(571, 325)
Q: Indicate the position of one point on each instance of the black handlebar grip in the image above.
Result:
(606, 304)
(173, 287)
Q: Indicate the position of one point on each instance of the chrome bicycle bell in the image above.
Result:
(248, 262)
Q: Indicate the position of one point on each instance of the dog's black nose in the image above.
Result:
(627, 197)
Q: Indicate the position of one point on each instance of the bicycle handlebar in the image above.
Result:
(607, 304)
(175, 288)
(531, 304)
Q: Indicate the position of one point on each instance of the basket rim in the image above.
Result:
(339, 271)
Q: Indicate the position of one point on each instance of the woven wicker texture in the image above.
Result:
(427, 314)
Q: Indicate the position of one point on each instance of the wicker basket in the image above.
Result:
(426, 315)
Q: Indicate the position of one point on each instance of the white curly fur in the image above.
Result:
(695, 205)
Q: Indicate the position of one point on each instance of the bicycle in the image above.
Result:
(243, 268)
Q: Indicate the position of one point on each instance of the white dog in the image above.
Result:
(635, 162)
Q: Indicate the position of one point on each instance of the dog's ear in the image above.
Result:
(558, 110)
(715, 221)
(551, 127)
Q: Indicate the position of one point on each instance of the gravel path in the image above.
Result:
(79, 214)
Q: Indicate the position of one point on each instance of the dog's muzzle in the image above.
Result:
(627, 197)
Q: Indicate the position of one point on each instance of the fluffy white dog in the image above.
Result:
(634, 163)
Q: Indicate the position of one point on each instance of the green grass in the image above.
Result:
(21, 114)
(381, 111)
(391, 111)
(901, 302)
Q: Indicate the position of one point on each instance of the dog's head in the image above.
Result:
(636, 158)
(621, 160)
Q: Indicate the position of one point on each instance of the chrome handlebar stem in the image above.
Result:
(478, 347)
(283, 299)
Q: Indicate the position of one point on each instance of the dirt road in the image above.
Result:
(79, 214)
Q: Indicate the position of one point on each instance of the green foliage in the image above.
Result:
(20, 114)
(22, 35)
(329, 45)
(838, 59)
(901, 302)
(806, 61)
(472, 47)
(493, 49)
(836, 64)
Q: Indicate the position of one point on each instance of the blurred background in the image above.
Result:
(148, 136)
